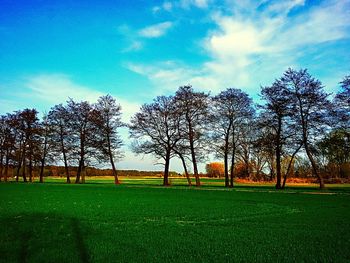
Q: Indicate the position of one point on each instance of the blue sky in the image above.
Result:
(136, 50)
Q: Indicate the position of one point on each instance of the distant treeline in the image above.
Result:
(91, 171)
(59, 171)
(298, 130)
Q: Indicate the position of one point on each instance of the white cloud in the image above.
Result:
(155, 31)
(167, 6)
(134, 46)
(284, 6)
(252, 43)
(327, 23)
(197, 3)
(234, 38)
(136, 39)
(201, 3)
(156, 9)
(166, 76)
(128, 109)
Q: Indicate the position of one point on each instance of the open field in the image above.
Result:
(142, 222)
(205, 182)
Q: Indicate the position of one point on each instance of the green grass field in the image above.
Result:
(141, 222)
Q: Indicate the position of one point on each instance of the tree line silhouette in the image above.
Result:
(296, 119)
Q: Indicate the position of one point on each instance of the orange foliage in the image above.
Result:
(215, 169)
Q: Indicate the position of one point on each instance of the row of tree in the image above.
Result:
(77, 134)
(297, 118)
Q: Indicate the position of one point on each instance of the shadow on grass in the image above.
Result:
(42, 238)
(24, 242)
(79, 241)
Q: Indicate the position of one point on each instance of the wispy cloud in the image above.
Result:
(166, 6)
(136, 39)
(169, 6)
(167, 76)
(196, 3)
(55, 88)
(50, 89)
(253, 43)
(155, 31)
(282, 7)
(133, 46)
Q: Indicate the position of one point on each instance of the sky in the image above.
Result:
(137, 50)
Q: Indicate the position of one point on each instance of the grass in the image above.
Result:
(141, 222)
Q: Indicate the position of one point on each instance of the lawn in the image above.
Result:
(141, 222)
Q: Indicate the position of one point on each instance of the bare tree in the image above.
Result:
(81, 129)
(15, 142)
(276, 110)
(341, 104)
(8, 136)
(245, 150)
(182, 151)
(29, 127)
(155, 130)
(230, 109)
(3, 136)
(106, 118)
(193, 107)
(45, 146)
(60, 135)
(311, 107)
(276, 118)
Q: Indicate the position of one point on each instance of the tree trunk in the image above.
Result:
(24, 165)
(226, 149)
(193, 154)
(64, 156)
(115, 174)
(233, 160)
(226, 162)
(83, 174)
(18, 170)
(31, 168)
(278, 168)
(272, 170)
(166, 169)
(306, 146)
(66, 167)
(185, 168)
(290, 166)
(278, 155)
(18, 167)
(77, 179)
(81, 162)
(194, 161)
(1, 164)
(41, 176)
(232, 168)
(7, 166)
(24, 171)
(41, 180)
(314, 167)
(20, 157)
